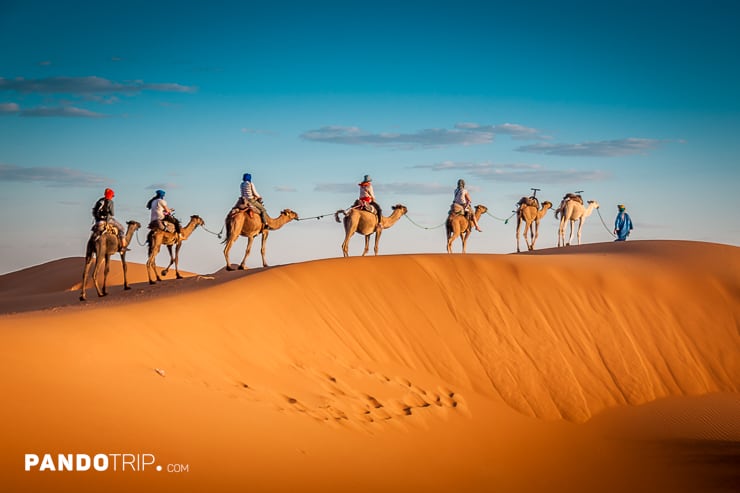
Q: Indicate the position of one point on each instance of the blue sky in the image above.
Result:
(632, 102)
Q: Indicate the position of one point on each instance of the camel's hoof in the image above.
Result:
(179, 276)
(228, 267)
(152, 282)
(241, 267)
(82, 298)
(126, 288)
(164, 273)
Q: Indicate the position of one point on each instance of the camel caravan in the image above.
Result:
(249, 218)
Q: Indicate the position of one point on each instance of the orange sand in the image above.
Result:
(605, 367)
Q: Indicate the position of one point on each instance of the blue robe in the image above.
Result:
(622, 226)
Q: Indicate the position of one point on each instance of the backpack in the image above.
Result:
(99, 210)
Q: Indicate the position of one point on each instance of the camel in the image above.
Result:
(156, 238)
(102, 246)
(571, 211)
(531, 216)
(241, 223)
(366, 223)
(459, 225)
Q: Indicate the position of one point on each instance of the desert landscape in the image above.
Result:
(601, 367)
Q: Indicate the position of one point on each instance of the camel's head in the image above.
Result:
(595, 204)
(400, 207)
(291, 214)
(133, 225)
(482, 208)
(546, 204)
(197, 220)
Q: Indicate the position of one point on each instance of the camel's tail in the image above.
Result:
(227, 227)
(336, 215)
(560, 208)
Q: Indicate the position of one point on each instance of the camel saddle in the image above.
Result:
(573, 196)
(241, 206)
(165, 226)
(529, 201)
(458, 210)
(364, 206)
(102, 227)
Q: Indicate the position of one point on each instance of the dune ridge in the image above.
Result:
(523, 358)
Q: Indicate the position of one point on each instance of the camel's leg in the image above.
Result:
(570, 235)
(126, 287)
(518, 225)
(377, 239)
(349, 230)
(367, 245)
(177, 260)
(452, 239)
(243, 265)
(580, 227)
(345, 246)
(262, 247)
(88, 263)
(464, 239)
(227, 248)
(98, 256)
(561, 233)
(172, 261)
(535, 232)
(151, 263)
(106, 269)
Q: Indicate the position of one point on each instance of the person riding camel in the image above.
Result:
(250, 195)
(464, 203)
(161, 212)
(103, 213)
(367, 198)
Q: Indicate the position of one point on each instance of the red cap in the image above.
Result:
(109, 194)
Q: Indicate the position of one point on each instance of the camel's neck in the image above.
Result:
(541, 213)
(130, 233)
(388, 221)
(279, 221)
(478, 213)
(188, 229)
(588, 210)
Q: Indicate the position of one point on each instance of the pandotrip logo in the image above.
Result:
(120, 462)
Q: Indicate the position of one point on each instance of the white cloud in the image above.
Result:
(53, 177)
(163, 186)
(399, 188)
(9, 108)
(434, 137)
(86, 85)
(604, 148)
(61, 111)
(514, 130)
(285, 189)
(466, 133)
(519, 172)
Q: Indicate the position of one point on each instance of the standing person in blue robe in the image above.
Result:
(622, 224)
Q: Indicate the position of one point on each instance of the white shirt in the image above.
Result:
(462, 197)
(249, 191)
(158, 209)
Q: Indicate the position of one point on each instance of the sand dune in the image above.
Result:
(597, 368)
(58, 283)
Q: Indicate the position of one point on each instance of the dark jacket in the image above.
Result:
(103, 209)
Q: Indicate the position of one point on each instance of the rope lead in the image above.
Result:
(605, 226)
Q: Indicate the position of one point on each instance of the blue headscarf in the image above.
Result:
(247, 177)
(160, 194)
